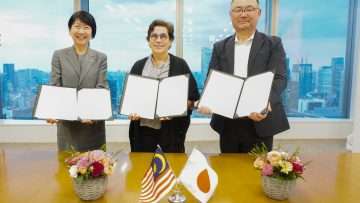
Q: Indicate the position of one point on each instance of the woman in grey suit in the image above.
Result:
(79, 66)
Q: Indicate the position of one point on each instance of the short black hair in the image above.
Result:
(158, 22)
(257, 1)
(84, 17)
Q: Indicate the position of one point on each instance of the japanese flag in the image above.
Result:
(198, 177)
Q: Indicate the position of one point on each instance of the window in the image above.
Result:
(31, 32)
(314, 42)
(315, 45)
(122, 30)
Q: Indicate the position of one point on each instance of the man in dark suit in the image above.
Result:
(246, 53)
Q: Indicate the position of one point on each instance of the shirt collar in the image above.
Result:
(248, 40)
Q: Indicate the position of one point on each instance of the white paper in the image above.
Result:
(140, 96)
(94, 104)
(255, 94)
(56, 103)
(221, 93)
(172, 96)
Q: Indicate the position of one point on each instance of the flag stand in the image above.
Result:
(177, 197)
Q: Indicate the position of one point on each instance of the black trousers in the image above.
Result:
(239, 136)
(148, 139)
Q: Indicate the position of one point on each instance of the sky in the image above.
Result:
(314, 30)
(308, 29)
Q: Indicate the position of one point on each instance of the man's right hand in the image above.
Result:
(134, 117)
(52, 121)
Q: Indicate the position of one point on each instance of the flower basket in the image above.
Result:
(90, 171)
(90, 189)
(276, 188)
(279, 170)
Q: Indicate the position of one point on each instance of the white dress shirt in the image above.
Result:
(241, 56)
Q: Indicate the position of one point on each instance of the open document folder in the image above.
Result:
(70, 104)
(152, 98)
(234, 97)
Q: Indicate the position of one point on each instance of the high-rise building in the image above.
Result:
(308, 105)
(337, 65)
(305, 74)
(9, 73)
(325, 81)
(114, 90)
(286, 94)
(8, 83)
(293, 89)
(205, 61)
(314, 82)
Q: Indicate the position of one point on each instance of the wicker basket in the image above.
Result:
(277, 189)
(90, 189)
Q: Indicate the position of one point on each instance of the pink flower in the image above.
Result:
(267, 170)
(97, 169)
(97, 155)
(298, 167)
(83, 162)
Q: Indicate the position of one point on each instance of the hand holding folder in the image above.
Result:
(151, 98)
(64, 103)
(235, 97)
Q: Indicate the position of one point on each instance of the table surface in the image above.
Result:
(41, 176)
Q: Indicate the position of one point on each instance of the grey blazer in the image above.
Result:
(266, 54)
(66, 71)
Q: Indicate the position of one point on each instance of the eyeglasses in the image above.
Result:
(245, 10)
(162, 36)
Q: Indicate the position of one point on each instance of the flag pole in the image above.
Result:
(177, 196)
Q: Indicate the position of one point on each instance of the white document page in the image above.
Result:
(94, 104)
(56, 103)
(221, 93)
(255, 94)
(139, 96)
(172, 96)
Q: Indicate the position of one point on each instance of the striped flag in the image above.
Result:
(158, 180)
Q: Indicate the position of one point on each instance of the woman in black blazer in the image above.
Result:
(145, 134)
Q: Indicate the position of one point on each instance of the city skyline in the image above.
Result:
(314, 43)
(309, 92)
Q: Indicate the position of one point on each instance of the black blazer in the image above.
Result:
(266, 54)
(177, 127)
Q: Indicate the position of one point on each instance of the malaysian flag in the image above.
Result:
(158, 180)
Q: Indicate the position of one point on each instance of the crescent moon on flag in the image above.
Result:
(159, 163)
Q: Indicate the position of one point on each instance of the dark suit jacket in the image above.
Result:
(266, 53)
(174, 130)
(66, 72)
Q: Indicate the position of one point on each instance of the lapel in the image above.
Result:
(171, 65)
(71, 55)
(256, 45)
(230, 47)
(87, 64)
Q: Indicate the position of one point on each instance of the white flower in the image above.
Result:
(274, 157)
(73, 171)
(259, 163)
(284, 155)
